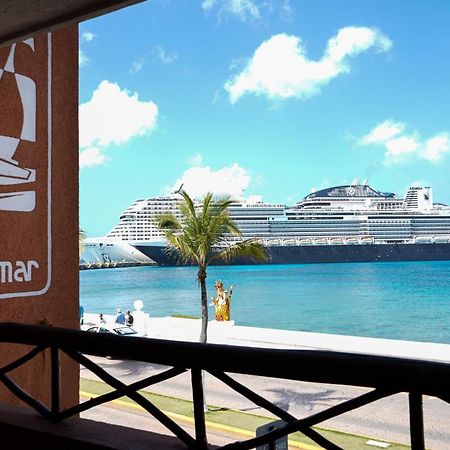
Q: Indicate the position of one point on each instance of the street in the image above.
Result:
(386, 419)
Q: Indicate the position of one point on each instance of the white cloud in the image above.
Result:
(250, 10)
(195, 160)
(286, 11)
(91, 156)
(159, 53)
(400, 145)
(383, 132)
(136, 66)
(217, 96)
(83, 60)
(163, 56)
(87, 36)
(208, 4)
(114, 116)
(350, 41)
(243, 9)
(280, 68)
(198, 181)
(399, 148)
(436, 147)
(325, 183)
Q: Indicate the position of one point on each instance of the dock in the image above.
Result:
(114, 265)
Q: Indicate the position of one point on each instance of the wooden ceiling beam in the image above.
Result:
(21, 19)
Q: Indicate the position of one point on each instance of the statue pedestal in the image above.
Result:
(140, 323)
(221, 323)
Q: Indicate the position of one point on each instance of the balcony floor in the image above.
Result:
(25, 426)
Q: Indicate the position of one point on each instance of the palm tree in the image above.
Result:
(201, 236)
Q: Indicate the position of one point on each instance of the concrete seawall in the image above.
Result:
(228, 333)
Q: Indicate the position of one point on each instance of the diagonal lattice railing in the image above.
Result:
(386, 375)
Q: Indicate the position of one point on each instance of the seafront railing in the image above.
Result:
(385, 375)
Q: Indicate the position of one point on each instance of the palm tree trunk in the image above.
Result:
(202, 279)
(203, 334)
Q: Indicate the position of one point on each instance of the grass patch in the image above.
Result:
(184, 316)
(240, 422)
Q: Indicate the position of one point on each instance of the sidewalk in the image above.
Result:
(180, 329)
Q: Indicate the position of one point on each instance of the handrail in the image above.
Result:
(387, 375)
(349, 369)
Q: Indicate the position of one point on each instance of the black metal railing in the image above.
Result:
(385, 375)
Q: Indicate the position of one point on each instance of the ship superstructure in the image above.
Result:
(359, 214)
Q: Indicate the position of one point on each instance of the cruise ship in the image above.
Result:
(350, 223)
(106, 251)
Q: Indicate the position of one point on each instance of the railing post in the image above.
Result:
(199, 412)
(416, 421)
(55, 381)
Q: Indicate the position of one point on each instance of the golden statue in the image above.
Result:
(222, 302)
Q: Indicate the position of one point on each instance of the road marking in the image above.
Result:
(190, 420)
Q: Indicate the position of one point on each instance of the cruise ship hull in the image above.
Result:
(106, 250)
(302, 254)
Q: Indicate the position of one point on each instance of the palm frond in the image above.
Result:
(207, 204)
(189, 203)
(180, 249)
(167, 222)
(250, 248)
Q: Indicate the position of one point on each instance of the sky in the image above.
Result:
(270, 98)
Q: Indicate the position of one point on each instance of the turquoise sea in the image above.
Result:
(408, 300)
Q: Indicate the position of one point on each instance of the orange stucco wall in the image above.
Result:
(39, 199)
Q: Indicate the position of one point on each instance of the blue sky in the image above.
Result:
(261, 97)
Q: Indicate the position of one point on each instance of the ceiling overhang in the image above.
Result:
(20, 19)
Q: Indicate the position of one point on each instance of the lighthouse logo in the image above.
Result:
(22, 88)
(25, 168)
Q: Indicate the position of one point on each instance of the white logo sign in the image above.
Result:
(11, 171)
(25, 168)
